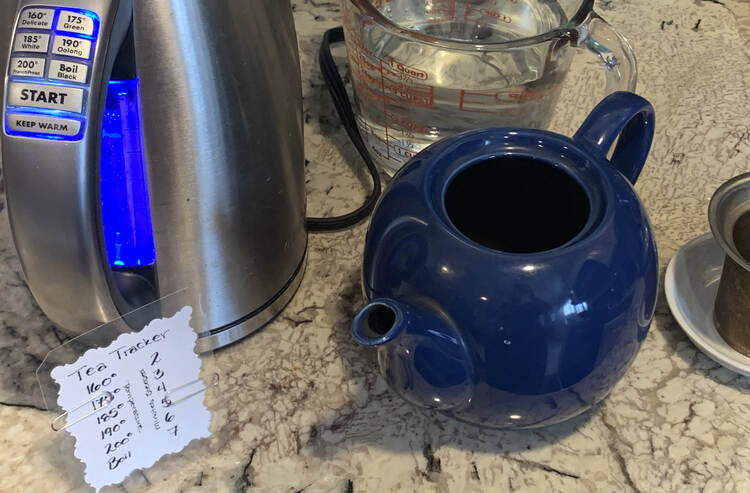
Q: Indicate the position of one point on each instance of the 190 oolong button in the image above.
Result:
(75, 22)
(75, 47)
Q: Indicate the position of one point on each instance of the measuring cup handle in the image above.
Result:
(628, 116)
(613, 50)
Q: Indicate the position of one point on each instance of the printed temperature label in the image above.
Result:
(70, 71)
(75, 22)
(27, 66)
(36, 18)
(33, 42)
(75, 47)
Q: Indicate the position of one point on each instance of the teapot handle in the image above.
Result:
(627, 116)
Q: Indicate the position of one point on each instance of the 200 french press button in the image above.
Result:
(27, 66)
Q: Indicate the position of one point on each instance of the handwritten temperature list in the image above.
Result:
(145, 419)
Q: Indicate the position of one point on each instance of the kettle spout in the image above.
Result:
(421, 353)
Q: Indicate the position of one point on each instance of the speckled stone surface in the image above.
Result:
(300, 407)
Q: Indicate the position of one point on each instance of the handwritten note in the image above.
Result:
(145, 418)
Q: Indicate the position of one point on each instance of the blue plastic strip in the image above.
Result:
(126, 212)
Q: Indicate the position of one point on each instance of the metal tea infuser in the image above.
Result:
(729, 216)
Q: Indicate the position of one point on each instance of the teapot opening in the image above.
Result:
(517, 205)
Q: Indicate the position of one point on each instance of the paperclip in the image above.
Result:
(107, 395)
(214, 383)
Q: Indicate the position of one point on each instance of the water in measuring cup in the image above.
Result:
(409, 95)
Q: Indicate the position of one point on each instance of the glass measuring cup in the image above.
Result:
(427, 69)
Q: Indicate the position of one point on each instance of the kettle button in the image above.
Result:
(39, 124)
(31, 42)
(68, 71)
(75, 22)
(36, 19)
(27, 66)
(73, 47)
(45, 96)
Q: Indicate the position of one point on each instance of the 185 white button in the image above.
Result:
(36, 43)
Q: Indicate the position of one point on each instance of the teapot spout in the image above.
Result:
(379, 322)
(421, 353)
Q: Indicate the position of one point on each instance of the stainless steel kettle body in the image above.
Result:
(220, 117)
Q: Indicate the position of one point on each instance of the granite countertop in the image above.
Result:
(303, 408)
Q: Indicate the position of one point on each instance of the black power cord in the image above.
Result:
(344, 108)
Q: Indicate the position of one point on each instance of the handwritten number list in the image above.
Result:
(133, 419)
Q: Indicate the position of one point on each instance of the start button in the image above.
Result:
(45, 96)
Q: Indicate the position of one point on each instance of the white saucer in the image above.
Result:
(691, 284)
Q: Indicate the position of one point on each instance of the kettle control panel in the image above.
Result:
(48, 72)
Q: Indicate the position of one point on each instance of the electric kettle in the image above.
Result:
(153, 147)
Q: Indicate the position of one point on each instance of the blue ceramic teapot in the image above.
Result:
(512, 273)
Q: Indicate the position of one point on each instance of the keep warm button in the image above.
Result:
(43, 125)
(43, 96)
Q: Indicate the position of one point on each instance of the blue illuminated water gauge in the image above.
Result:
(126, 215)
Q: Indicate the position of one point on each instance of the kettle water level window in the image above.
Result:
(126, 215)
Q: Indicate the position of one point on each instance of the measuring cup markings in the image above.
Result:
(391, 82)
(477, 15)
(388, 147)
(362, 52)
(438, 10)
(477, 101)
(406, 70)
(395, 80)
(410, 92)
(390, 91)
(448, 10)
(411, 95)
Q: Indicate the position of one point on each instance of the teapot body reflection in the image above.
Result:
(512, 273)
